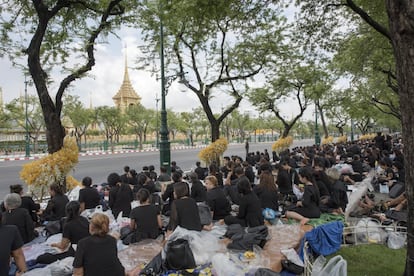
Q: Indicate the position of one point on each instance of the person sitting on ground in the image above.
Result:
(89, 197)
(126, 175)
(27, 202)
(75, 228)
(213, 170)
(216, 199)
(308, 207)
(164, 176)
(15, 215)
(200, 171)
(11, 245)
(146, 218)
(267, 192)
(250, 211)
(198, 191)
(176, 168)
(338, 199)
(98, 253)
(120, 196)
(55, 209)
(168, 193)
(230, 188)
(184, 211)
(152, 173)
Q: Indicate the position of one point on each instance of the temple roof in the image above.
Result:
(126, 93)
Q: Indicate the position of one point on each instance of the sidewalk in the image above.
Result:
(22, 156)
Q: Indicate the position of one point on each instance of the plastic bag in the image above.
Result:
(223, 266)
(337, 266)
(396, 240)
(292, 256)
(318, 265)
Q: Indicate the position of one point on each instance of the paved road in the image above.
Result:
(98, 167)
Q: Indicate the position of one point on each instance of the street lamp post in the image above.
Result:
(157, 129)
(317, 137)
(165, 152)
(27, 138)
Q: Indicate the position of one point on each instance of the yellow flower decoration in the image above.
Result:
(282, 144)
(367, 137)
(342, 139)
(53, 168)
(213, 151)
(328, 140)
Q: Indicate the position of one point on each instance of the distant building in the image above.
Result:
(126, 95)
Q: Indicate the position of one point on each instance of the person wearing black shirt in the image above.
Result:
(266, 191)
(184, 210)
(145, 219)
(201, 172)
(198, 191)
(27, 202)
(11, 245)
(120, 196)
(214, 171)
(55, 209)
(15, 215)
(88, 196)
(250, 211)
(75, 228)
(125, 176)
(98, 253)
(216, 199)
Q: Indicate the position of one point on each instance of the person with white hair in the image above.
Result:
(15, 215)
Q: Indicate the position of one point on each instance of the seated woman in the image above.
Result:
(55, 209)
(198, 191)
(250, 210)
(216, 199)
(308, 207)
(120, 196)
(75, 228)
(266, 191)
(337, 200)
(184, 211)
(98, 254)
(146, 218)
(88, 196)
(27, 202)
(15, 215)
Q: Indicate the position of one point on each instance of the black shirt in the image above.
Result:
(284, 182)
(76, 229)
(21, 218)
(218, 203)
(10, 241)
(250, 210)
(184, 213)
(55, 209)
(268, 198)
(120, 198)
(146, 220)
(27, 203)
(198, 191)
(90, 197)
(98, 256)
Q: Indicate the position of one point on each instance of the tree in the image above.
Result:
(239, 124)
(112, 121)
(80, 118)
(35, 123)
(53, 33)
(398, 31)
(139, 119)
(215, 46)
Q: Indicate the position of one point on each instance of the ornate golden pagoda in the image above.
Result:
(126, 95)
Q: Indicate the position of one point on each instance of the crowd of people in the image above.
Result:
(300, 184)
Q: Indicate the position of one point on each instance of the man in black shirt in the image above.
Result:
(88, 196)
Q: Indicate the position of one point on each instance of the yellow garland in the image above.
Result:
(367, 137)
(213, 151)
(52, 168)
(342, 139)
(282, 144)
(328, 140)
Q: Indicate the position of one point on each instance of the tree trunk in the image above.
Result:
(215, 130)
(402, 37)
(55, 132)
(286, 130)
(324, 126)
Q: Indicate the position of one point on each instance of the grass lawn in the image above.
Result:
(373, 260)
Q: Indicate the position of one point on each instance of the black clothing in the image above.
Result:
(150, 186)
(248, 172)
(55, 209)
(250, 212)
(21, 218)
(268, 198)
(198, 191)
(184, 213)
(357, 166)
(232, 192)
(98, 256)
(284, 182)
(218, 203)
(219, 177)
(310, 202)
(76, 229)
(90, 197)
(379, 141)
(164, 177)
(10, 241)
(168, 195)
(201, 172)
(29, 204)
(146, 221)
(120, 198)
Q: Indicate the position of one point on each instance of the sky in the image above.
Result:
(106, 77)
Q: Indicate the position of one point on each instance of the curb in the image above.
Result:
(93, 153)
